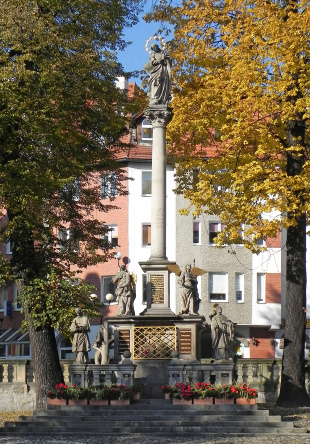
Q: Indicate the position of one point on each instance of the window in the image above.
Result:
(17, 305)
(71, 191)
(66, 349)
(8, 247)
(111, 236)
(239, 287)
(146, 183)
(218, 288)
(261, 286)
(22, 349)
(146, 130)
(196, 233)
(109, 185)
(3, 295)
(68, 241)
(107, 287)
(144, 289)
(146, 234)
(2, 350)
(214, 229)
(17, 343)
(261, 242)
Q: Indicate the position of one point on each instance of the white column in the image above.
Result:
(159, 116)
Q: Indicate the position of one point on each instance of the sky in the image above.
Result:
(135, 56)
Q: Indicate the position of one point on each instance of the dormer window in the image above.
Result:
(146, 130)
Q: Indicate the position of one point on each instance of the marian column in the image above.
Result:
(159, 114)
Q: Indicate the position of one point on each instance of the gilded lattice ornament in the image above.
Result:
(154, 342)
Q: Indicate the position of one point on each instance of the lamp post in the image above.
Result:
(118, 255)
(109, 298)
(93, 297)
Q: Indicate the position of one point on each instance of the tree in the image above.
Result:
(60, 112)
(241, 123)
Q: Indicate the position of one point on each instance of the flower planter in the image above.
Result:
(120, 401)
(98, 402)
(167, 395)
(181, 401)
(203, 401)
(136, 396)
(56, 401)
(77, 402)
(244, 401)
(223, 401)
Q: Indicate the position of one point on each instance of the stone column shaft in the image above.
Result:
(158, 218)
(159, 116)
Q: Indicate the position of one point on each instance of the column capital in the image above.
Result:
(159, 115)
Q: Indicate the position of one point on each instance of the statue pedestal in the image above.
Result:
(157, 288)
(191, 373)
(78, 375)
(92, 374)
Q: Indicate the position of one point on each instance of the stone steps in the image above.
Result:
(151, 418)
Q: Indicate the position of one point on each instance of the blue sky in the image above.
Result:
(135, 55)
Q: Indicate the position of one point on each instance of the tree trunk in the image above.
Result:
(293, 391)
(28, 263)
(47, 369)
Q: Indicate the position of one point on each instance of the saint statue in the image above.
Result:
(222, 330)
(101, 344)
(159, 65)
(189, 292)
(80, 344)
(123, 291)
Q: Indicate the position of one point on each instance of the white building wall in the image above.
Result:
(266, 262)
(139, 213)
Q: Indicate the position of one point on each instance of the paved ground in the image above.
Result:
(152, 440)
(300, 417)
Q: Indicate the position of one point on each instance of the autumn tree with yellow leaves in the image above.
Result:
(240, 133)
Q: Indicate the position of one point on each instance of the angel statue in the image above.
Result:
(159, 67)
(188, 283)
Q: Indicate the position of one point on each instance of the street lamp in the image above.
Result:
(118, 255)
(93, 297)
(109, 298)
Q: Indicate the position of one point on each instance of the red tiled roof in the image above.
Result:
(134, 152)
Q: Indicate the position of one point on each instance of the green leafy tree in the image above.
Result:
(241, 123)
(60, 112)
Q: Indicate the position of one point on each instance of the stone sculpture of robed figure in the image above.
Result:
(159, 65)
(222, 334)
(80, 344)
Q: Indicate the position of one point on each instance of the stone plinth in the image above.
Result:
(191, 373)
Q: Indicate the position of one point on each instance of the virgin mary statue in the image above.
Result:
(159, 65)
